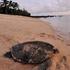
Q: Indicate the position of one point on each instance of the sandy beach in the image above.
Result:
(18, 29)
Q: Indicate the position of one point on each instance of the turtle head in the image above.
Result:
(55, 51)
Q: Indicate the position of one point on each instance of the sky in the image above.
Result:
(44, 6)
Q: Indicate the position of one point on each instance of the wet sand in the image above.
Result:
(61, 26)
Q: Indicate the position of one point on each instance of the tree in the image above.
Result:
(9, 7)
(14, 5)
(5, 6)
(25, 13)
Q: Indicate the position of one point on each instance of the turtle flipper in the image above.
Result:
(42, 66)
(45, 65)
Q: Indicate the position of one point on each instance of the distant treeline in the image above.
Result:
(12, 8)
(45, 16)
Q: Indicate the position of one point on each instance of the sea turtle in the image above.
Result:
(34, 52)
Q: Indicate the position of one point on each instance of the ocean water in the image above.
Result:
(61, 25)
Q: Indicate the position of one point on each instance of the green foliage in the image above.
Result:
(12, 8)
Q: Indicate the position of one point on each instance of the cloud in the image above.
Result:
(44, 6)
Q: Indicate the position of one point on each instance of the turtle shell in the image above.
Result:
(32, 52)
